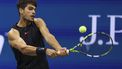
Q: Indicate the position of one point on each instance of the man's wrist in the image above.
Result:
(58, 48)
(40, 50)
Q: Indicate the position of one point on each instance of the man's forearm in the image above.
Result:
(29, 50)
(51, 40)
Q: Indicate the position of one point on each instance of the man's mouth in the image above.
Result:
(32, 16)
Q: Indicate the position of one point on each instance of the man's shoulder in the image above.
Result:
(12, 33)
(12, 30)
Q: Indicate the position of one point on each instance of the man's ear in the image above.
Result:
(20, 10)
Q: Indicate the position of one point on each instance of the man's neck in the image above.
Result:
(23, 23)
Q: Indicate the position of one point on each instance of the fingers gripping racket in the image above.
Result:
(98, 49)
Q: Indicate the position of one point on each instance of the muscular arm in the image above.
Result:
(50, 39)
(17, 42)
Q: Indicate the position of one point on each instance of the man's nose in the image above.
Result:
(33, 12)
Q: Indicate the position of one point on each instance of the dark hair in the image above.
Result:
(23, 3)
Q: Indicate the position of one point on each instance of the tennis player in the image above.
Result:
(26, 39)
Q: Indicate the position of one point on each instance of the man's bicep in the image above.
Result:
(15, 40)
(18, 43)
(45, 33)
(44, 27)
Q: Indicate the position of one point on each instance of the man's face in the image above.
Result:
(29, 12)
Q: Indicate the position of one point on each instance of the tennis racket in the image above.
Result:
(98, 49)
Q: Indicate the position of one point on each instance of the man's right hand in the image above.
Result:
(51, 53)
(62, 52)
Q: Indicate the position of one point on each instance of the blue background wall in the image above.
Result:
(63, 18)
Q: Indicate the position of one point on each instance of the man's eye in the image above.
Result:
(30, 8)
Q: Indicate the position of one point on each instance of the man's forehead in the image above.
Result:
(30, 5)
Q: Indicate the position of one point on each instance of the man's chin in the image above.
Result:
(31, 20)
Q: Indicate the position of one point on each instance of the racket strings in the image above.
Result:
(99, 48)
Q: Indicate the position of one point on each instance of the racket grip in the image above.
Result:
(58, 52)
(67, 51)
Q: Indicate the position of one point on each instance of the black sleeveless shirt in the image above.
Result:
(32, 36)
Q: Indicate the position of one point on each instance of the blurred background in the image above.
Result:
(63, 18)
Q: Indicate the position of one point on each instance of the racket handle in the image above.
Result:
(58, 52)
(67, 51)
